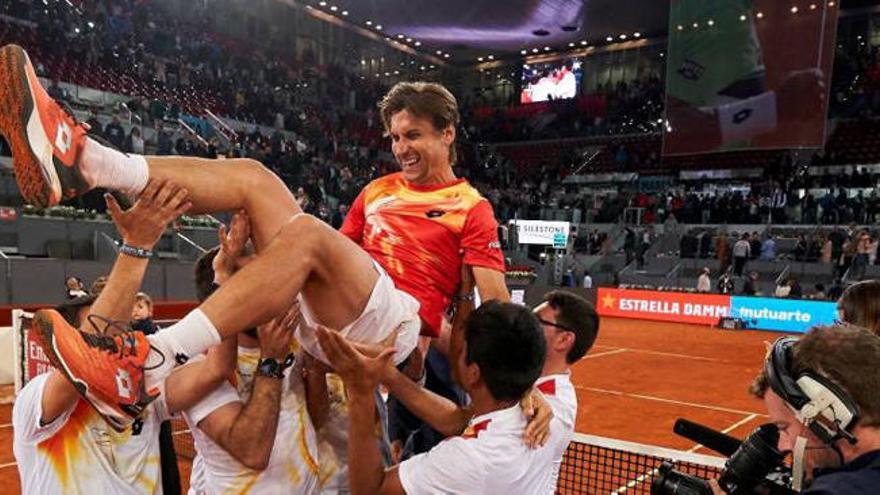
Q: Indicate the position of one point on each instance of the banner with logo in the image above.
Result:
(784, 315)
(30, 360)
(542, 233)
(663, 306)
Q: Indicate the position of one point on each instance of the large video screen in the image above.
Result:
(735, 80)
(546, 81)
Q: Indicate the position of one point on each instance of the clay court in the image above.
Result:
(637, 380)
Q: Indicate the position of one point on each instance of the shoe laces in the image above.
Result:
(123, 336)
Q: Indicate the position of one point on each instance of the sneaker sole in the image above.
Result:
(21, 121)
(46, 336)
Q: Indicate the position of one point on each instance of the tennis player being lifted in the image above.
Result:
(390, 274)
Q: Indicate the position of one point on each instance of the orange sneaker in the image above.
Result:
(108, 372)
(45, 138)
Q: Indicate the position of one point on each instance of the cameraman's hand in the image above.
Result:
(143, 224)
(716, 489)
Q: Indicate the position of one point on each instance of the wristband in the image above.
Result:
(135, 251)
(459, 298)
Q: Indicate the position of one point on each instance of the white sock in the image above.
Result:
(106, 167)
(187, 338)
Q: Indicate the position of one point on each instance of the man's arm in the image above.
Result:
(188, 385)
(247, 432)
(361, 375)
(141, 226)
(439, 412)
(491, 284)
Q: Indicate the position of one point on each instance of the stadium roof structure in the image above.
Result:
(468, 29)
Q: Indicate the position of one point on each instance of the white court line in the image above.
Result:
(671, 354)
(606, 353)
(180, 432)
(8, 464)
(668, 401)
(650, 474)
(6, 425)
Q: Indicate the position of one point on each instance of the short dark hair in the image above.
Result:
(506, 341)
(427, 100)
(204, 274)
(575, 313)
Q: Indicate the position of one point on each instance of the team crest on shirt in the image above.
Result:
(691, 70)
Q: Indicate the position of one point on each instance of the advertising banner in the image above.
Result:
(663, 306)
(542, 233)
(784, 315)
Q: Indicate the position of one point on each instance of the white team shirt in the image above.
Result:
(292, 469)
(489, 457)
(78, 453)
(560, 394)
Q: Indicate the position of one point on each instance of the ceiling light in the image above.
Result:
(609, 39)
(491, 57)
(742, 17)
(711, 22)
(546, 48)
(433, 67)
(637, 35)
(812, 6)
(378, 27)
(369, 23)
(794, 10)
(831, 4)
(422, 68)
(445, 55)
(439, 52)
(418, 43)
(409, 40)
(479, 59)
(397, 72)
(333, 8)
(344, 12)
(523, 52)
(760, 15)
(584, 43)
(387, 74)
(534, 50)
(696, 25)
(322, 3)
(400, 36)
(622, 36)
(680, 27)
(571, 44)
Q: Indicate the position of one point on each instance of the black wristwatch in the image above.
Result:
(270, 367)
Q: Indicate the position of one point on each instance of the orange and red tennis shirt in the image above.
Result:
(421, 235)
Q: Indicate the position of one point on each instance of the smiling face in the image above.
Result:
(421, 150)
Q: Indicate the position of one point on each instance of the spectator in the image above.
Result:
(135, 142)
(860, 305)
(95, 127)
(768, 249)
(74, 287)
(115, 133)
(782, 290)
(163, 141)
(725, 283)
(755, 243)
(588, 281)
(339, 216)
(794, 288)
(57, 92)
(826, 251)
(704, 283)
(742, 250)
(820, 295)
(722, 251)
(750, 287)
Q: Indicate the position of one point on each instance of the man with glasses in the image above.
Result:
(570, 325)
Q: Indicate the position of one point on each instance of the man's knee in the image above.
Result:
(254, 173)
(304, 235)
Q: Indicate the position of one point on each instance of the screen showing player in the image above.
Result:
(555, 80)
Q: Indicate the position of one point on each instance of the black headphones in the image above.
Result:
(824, 407)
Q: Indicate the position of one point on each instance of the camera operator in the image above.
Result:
(823, 393)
